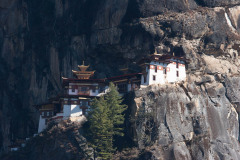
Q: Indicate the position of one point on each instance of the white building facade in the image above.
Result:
(161, 70)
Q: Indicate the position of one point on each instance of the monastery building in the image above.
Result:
(79, 91)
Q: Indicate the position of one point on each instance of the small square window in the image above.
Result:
(145, 79)
(83, 89)
(154, 78)
(165, 70)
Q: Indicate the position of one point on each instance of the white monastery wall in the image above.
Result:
(71, 92)
(72, 110)
(171, 75)
(182, 72)
(66, 111)
(159, 73)
(75, 110)
(94, 93)
(42, 124)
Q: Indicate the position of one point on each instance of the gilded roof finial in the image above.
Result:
(83, 73)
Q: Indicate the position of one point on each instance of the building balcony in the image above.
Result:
(84, 93)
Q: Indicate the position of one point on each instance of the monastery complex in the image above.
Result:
(79, 91)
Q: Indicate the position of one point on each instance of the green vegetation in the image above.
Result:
(106, 119)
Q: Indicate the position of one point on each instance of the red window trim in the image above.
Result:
(160, 68)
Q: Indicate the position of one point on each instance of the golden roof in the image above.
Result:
(83, 74)
(82, 67)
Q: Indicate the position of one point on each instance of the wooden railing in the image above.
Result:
(86, 93)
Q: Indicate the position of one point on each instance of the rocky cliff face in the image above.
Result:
(189, 121)
(40, 41)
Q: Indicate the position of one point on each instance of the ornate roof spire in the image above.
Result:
(83, 67)
(83, 74)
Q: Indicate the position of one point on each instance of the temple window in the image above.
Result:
(83, 88)
(154, 77)
(144, 79)
(47, 113)
(164, 70)
(177, 73)
(156, 69)
(177, 65)
(42, 113)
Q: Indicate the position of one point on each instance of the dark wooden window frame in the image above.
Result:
(154, 77)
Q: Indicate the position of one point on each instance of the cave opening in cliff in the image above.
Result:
(178, 51)
(200, 2)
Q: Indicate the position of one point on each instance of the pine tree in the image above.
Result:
(100, 128)
(116, 108)
(106, 119)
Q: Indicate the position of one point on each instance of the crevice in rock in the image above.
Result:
(215, 104)
(186, 91)
(165, 123)
(223, 83)
(229, 21)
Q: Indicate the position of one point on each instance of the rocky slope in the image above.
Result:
(61, 141)
(40, 41)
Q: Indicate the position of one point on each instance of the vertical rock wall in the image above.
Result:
(188, 121)
(41, 41)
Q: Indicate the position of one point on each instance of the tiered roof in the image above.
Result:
(82, 73)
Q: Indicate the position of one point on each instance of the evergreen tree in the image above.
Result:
(116, 108)
(106, 119)
(100, 128)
